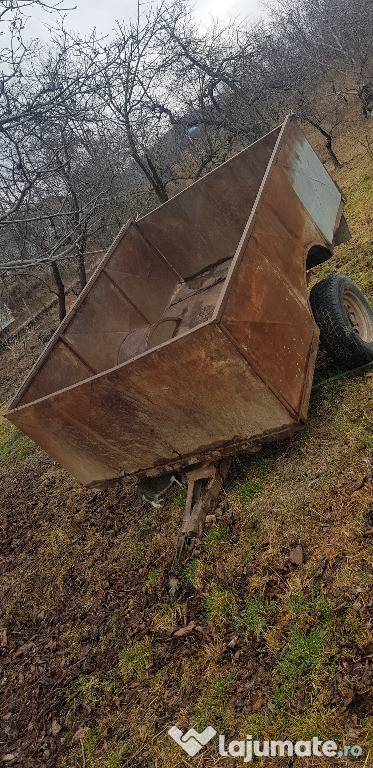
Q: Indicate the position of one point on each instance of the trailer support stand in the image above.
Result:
(201, 499)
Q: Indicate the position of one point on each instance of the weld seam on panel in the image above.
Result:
(332, 185)
(305, 380)
(65, 322)
(257, 372)
(245, 237)
(280, 237)
(77, 354)
(154, 248)
(208, 268)
(228, 448)
(283, 277)
(196, 292)
(124, 296)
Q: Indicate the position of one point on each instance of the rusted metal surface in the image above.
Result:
(203, 224)
(155, 409)
(194, 339)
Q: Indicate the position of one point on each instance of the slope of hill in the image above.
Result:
(266, 630)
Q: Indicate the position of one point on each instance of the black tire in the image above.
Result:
(345, 319)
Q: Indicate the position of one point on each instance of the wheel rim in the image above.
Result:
(358, 316)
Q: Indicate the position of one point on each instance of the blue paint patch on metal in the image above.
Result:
(316, 190)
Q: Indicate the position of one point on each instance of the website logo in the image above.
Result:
(192, 741)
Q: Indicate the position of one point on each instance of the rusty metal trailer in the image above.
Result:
(194, 339)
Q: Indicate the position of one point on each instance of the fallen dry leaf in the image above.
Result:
(174, 585)
(22, 649)
(257, 704)
(79, 734)
(296, 555)
(210, 519)
(55, 727)
(184, 612)
(185, 630)
(351, 734)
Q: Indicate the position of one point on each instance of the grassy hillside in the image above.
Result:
(275, 600)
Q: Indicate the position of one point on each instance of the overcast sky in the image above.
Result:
(103, 14)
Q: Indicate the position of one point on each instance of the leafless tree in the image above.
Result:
(46, 127)
(74, 210)
(94, 130)
(320, 52)
(131, 87)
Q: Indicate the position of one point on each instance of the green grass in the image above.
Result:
(135, 660)
(71, 641)
(302, 656)
(13, 444)
(167, 614)
(115, 758)
(136, 551)
(252, 484)
(316, 609)
(214, 536)
(249, 488)
(211, 707)
(180, 496)
(92, 690)
(254, 618)
(311, 647)
(220, 605)
(192, 573)
(152, 580)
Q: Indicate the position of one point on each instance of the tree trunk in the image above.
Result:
(147, 167)
(332, 154)
(366, 97)
(81, 263)
(329, 139)
(60, 290)
(157, 181)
